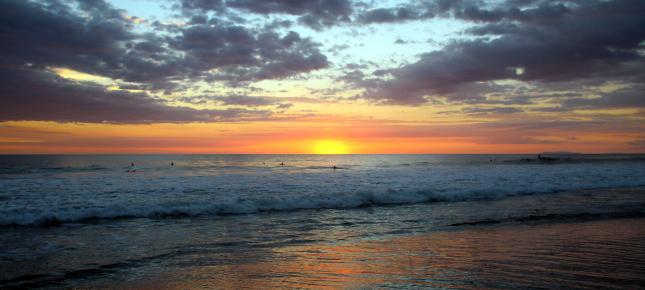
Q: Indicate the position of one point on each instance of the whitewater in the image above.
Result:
(51, 190)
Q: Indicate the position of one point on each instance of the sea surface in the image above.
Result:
(322, 221)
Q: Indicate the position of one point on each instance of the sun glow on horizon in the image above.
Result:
(330, 147)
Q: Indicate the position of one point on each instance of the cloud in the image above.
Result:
(549, 43)
(243, 56)
(92, 37)
(527, 11)
(316, 14)
(247, 101)
(389, 15)
(206, 5)
(630, 97)
(400, 41)
(104, 43)
(240, 100)
(493, 110)
(541, 44)
(35, 95)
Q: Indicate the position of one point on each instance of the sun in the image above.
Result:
(330, 147)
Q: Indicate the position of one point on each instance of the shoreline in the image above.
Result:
(133, 253)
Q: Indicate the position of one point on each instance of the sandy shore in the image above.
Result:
(605, 254)
(592, 239)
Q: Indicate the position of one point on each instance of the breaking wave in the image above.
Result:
(248, 205)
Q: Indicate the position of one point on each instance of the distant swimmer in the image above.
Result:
(132, 164)
(335, 167)
(281, 163)
(172, 163)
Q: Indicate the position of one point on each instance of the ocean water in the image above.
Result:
(228, 221)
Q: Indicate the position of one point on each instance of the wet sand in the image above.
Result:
(607, 254)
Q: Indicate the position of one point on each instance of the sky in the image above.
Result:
(315, 76)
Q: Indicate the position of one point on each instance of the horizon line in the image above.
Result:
(525, 153)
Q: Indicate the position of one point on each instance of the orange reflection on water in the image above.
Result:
(601, 254)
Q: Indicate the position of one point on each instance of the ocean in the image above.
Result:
(322, 221)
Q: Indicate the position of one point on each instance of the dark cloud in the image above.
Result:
(417, 10)
(239, 100)
(267, 56)
(493, 110)
(591, 39)
(400, 41)
(279, 23)
(284, 106)
(631, 97)
(250, 101)
(524, 11)
(53, 35)
(388, 15)
(42, 96)
(104, 44)
(624, 98)
(94, 38)
(316, 14)
(515, 100)
(206, 5)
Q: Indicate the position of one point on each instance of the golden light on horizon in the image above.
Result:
(330, 147)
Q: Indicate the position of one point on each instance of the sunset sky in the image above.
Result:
(315, 76)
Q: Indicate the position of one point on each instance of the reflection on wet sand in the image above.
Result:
(600, 254)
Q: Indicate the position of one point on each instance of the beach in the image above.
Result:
(604, 254)
(226, 222)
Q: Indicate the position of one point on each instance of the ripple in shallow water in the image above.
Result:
(601, 254)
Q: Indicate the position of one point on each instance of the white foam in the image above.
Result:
(107, 194)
